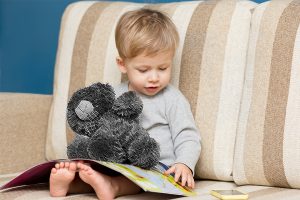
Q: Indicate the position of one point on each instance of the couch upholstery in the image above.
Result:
(267, 153)
(238, 64)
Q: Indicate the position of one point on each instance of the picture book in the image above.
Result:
(153, 180)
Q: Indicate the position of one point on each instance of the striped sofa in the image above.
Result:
(238, 64)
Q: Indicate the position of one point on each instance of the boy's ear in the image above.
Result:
(121, 65)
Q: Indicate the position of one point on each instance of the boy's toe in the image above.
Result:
(57, 165)
(61, 164)
(72, 166)
(53, 170)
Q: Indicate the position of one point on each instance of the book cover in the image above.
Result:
(149, 180)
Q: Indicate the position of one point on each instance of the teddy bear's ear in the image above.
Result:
(89, 104)
(128, 105)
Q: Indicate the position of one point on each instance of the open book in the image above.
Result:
(149, 180)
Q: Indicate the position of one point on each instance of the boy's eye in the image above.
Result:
(163, 68)
(142, 70)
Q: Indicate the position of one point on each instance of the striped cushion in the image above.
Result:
(268, 139)
(208, 68)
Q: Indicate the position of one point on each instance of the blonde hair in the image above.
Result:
(145, 31)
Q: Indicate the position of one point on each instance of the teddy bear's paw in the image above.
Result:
(128, 105)
(106, 147)
(144, 152)
(78, 148)
(71, 151)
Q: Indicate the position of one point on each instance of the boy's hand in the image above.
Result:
(182, 172)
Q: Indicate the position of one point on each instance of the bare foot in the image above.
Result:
(60, 178)
(102, 184)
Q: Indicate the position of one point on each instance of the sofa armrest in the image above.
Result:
(23, 125)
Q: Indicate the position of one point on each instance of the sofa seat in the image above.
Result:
(203, 187)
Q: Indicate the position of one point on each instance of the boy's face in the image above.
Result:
(148, 74)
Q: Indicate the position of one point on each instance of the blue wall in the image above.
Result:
(28, 41)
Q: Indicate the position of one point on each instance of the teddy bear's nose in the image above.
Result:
(85, 110)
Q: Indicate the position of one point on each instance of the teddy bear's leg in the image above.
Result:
(105, 147)
(144, 152)
(78, 148)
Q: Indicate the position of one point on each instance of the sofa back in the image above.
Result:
(208, 68)
(268, 137)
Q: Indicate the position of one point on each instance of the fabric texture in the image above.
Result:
(168, 119)
(41, 192)
(208, 69)
(23, 127)
(268, 140)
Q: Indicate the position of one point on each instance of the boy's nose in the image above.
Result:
(153, 77)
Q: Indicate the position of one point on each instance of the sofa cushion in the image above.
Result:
(208, 68)
(268, 139)
(23, 126)
(41, 192)
(257, 192)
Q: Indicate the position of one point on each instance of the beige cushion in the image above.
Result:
(23, 127)
(208, 68)
(257, 192)
(268, 139)
(41, 192)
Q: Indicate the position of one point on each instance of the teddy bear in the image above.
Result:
(108, 128)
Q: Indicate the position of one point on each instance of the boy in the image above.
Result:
(146, 41)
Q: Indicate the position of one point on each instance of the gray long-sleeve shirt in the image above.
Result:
(168, 119)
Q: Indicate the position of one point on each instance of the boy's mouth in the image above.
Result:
(152, 89)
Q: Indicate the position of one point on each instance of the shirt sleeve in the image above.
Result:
(185, 135)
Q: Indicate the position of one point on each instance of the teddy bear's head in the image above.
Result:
(87, 105)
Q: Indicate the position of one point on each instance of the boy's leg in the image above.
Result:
(78, 186)
(60, 178)
(106, 187)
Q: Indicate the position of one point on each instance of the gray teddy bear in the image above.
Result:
(108, 129)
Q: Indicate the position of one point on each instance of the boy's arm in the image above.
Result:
(185, 135)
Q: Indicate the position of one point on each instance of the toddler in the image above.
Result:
(146, 41)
